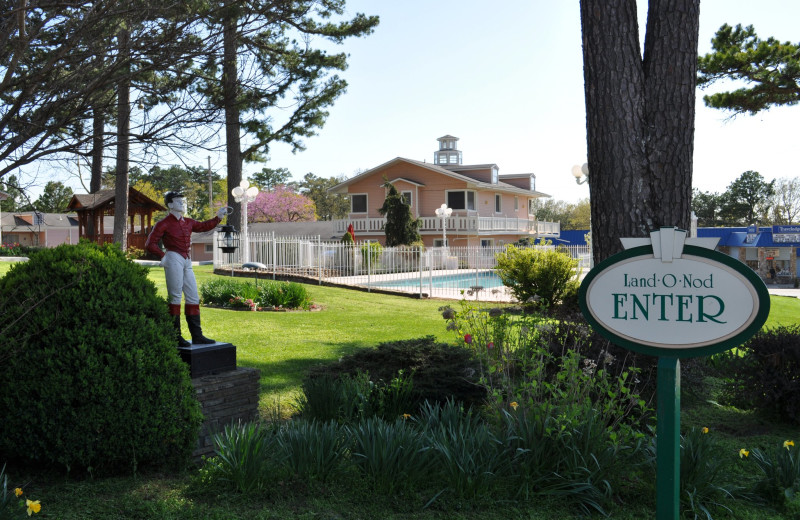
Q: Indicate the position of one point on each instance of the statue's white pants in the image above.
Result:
(180, 279)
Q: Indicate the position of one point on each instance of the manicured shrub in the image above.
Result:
(91, 378)
(536, 274)
(765, 373)
(438, 371)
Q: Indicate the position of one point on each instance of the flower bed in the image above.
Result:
(263, 296)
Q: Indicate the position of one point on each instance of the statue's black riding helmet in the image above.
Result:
(168, 196)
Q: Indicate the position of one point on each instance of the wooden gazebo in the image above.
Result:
(92, 207)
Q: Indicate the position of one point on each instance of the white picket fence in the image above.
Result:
(443, 272)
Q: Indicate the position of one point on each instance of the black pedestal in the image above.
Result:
(209, 359)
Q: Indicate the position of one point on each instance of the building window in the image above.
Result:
(358, 203)
(531, 209)
(461, 199)
(406, 196)
(487, 242)
(38, 219)
(495, 175)
(438, 242)
(209, 248)
(516, 203)
(497, 203)
(533, 183)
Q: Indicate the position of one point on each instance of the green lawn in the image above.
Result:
(283, 345)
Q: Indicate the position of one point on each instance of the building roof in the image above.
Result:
(28, 221)
(500, 186)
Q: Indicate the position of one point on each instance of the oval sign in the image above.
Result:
(699, 304)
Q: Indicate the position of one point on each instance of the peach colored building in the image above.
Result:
(489, 209)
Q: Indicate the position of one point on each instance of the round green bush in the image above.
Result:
(91, 377)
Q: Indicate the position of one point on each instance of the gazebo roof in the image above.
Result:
(104, 199)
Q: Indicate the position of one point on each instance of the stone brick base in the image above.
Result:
(225, 398)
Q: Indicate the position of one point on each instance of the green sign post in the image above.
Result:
(673, 297)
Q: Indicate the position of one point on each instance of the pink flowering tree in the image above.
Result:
(281, 205)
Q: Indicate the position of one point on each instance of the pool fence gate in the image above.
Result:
(443, 272)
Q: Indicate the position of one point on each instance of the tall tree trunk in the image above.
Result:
(98, 127)
(230, 85)
(123, 150)
(639, 117)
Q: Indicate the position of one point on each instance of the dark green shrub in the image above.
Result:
(547, 274)
(765, 374)
(438, 371)
(91, 377)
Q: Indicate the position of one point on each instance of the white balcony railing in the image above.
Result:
(460, 224)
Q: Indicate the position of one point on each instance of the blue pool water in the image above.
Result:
(486, 279)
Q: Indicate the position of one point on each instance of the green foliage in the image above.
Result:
(771, 70)
(469, 456)
(246, 458)
(392, 455)
(347, 238)
(371, 253)
(349, 398)
(747, 199)
(439, 371)
(54, 198)
(705, 482)
(577, 462)
(401, 227)
(313, 449)
(553, 369)
(538, 274)
(765, 373)
(268, 178)
(229, 292)
(570, 215)
(92, 380)
(779, 484)
(330, 206)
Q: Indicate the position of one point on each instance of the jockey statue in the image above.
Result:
(176, 233)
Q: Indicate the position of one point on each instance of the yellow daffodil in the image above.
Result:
(786, 444)
(406, 416)
(704, 430)
(18, 492)
(743, 453)
(513, 404)
(33, 506)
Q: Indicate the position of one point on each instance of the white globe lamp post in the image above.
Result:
(443, 212)
(244, 193)
(581, 174)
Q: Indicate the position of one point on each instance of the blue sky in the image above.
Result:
(507, 79)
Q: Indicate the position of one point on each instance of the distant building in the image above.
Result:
(763, 249)
(488, 208)
(32, 228)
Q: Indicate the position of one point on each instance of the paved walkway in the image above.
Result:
(783, 290)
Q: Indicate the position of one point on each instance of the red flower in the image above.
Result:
(490, 345)
(468, 338)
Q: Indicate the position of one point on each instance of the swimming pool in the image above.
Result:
(485, 279)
